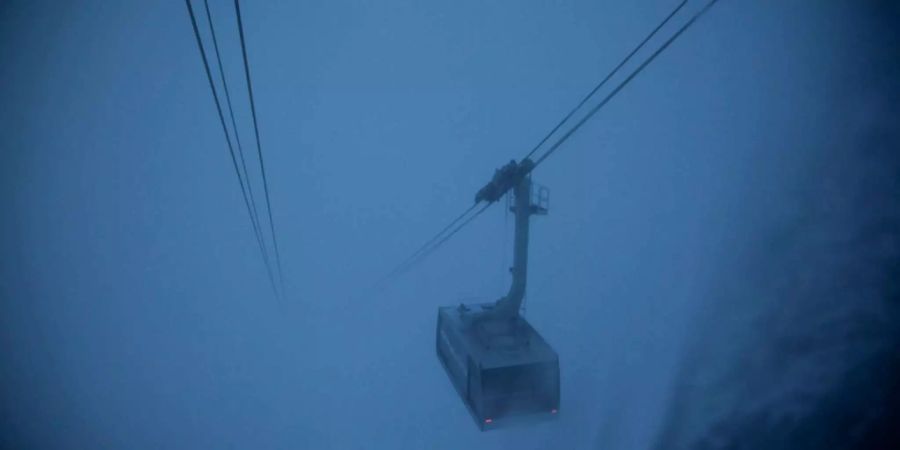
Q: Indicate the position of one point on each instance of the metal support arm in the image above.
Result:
(517, 177)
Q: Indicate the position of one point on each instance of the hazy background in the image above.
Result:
(135, 308)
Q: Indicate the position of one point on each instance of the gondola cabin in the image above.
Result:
(501, 368)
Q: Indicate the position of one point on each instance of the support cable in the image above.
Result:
(234, 128)
(409, 261)
(441, 242)
(624, 83)
(228, 139)
(605, 79)
(262, 166)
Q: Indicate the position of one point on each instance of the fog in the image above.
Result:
(136, 310)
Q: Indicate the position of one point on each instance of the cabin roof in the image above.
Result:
(495, 343)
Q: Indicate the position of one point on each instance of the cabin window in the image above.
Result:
(528, 379)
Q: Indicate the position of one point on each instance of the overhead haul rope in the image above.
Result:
(437, 241)
(228, 139)
(234, 128)
(624, 83)
(409, 260)
(262, 166)
(441, 242)
(605, 79)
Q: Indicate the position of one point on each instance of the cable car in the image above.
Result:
(501, 367)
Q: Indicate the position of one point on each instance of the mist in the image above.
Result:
(689, 246)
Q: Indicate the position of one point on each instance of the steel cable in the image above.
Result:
(228, 139)
(262, 166)
(607, 78)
